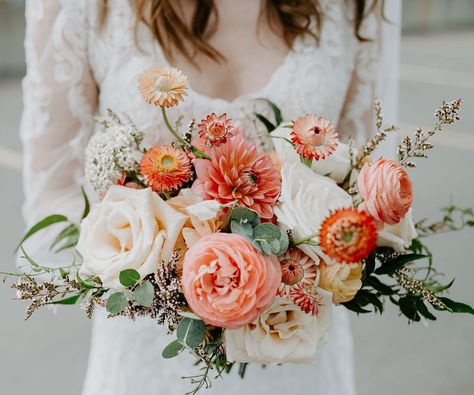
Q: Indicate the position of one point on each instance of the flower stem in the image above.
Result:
(197, 152)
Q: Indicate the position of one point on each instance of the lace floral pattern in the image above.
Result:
(76, 72)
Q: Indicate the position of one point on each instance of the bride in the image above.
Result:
(83, 57)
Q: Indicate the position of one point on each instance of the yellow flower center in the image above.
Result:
(167, 163)
(162, 84)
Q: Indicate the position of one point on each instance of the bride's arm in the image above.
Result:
(375, 74)
(60, 98)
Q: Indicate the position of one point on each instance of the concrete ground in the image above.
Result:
(48, 353)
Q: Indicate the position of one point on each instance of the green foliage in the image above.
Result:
(191, 332)
(87, 205)
(456, 307)
(68, 301)
(265, 237)
(269, 125)
(173, 349)
(144, 293)
(390, 266)
(129, 277)
(44, 223)
(116, 303)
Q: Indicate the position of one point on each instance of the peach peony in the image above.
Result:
(236, 172)
(386, 189)
(227, 282)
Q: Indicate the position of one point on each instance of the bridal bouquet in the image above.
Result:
(242, 254)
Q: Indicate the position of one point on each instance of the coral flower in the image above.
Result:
(236, 172)
(215, 130)
(298, 273)
(342, 279)
(163, 87)
(165, 168)
(227, 282)
(314, 137)
(307, 298)
(348, 235)
(386, 189)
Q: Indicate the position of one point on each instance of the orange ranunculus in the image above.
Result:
(386, 189)
(227, 282)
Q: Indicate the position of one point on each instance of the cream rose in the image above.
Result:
(306, 200)
(282, 334)
(398, 236)
(335, 166)
(342, 279)
(128, 229)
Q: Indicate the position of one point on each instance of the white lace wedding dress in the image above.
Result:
(76, 73)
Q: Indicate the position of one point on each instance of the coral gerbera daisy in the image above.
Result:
(236, 172)
(163, 87)
(215, 130)
(165, 168)
(314, 137)
(299, 276)
(307, 298)
(348, 235)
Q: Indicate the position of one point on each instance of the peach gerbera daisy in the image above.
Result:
(314, 137)
(307, 298)
(299, 272)
(236, 172)
(165, 168)
(215, 130)
(348, 235)
(163, 87)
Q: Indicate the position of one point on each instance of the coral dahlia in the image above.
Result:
(314, 137)
(236, 172)
(348, 235)
(165, 168)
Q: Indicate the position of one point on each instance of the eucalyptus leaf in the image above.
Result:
(44, 223)
(144, 294)
(284, 243)
(266, 248)
(243, 214)
(173, 349)
(267, 231)
(241, 228)
(116, 303)
(129, 277)
(191, 332)
(275, 246)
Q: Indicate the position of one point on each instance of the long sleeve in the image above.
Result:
(375, 74)
(60, 99)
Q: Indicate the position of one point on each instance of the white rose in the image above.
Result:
(282, 334)
(306, 200)
(129, 229)
(336, 166)
(398, 236)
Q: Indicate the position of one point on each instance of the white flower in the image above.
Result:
(205, 210)
(111, 152)
(336, 166)
(398, 236)
(282, 334)
(129, 229)
(306, 200)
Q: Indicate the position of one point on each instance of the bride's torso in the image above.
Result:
(308, 79)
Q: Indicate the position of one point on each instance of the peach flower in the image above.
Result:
(342, 279)
(386, 189)
(227, 282)
(237, 172)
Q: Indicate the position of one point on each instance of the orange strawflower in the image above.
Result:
(348, 235)
(165, 168)
(314, 137)
(163, 87)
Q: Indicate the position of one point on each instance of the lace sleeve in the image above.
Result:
(375, 73)
(60, 98)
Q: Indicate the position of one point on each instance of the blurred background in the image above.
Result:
(49, 352)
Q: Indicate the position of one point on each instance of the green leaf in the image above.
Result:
(440, 288)
(242, 369)
(70, 243)
(268, 125)
(267, 231)
(370, 263)
(423, 310)
(276, 110)
(284, 243)
(393, 265)
(173, 349)
(87, 205)
(129, 277)
(379, 286)
(354, 306)
(83, 283)
(241, 228)
(408, 307)
(266, 249)
(64, 234)
(67, 301)
(116, 303)
(275, 246)
(44, 223)
(245, 215)
(191, 332)
(144, 294)
(457, 307)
